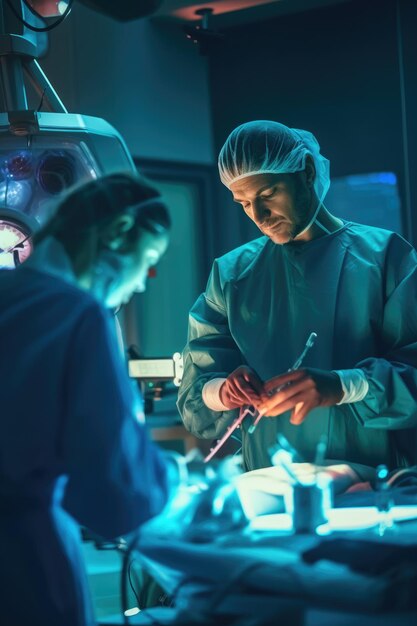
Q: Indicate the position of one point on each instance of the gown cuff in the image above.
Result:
(211, 394)
(354, 384)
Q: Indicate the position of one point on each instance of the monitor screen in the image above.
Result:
(371, 199)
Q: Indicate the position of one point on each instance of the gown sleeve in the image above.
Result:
(117, 477)
(211, 352)
(391, 402)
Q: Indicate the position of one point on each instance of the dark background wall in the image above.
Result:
(146, 79)
(345, 72)
(142, 76)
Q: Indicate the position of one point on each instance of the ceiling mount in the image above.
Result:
(231, 13)
(201, 34)
(205, 13)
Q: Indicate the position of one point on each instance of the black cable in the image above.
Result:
(41, 102)
(123, 585)
(38, 29)
(129, 575)
(126, 551)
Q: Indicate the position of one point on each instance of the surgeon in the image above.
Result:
(73, 446)
(355, 286)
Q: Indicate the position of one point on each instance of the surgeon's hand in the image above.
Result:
(242, 386)
(303, 390)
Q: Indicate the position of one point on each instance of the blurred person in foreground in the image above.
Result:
(73, 446)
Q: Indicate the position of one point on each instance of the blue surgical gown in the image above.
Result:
(357, 289)
(71, 449)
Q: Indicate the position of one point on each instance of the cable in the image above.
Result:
(41, 102)
(123, 581)
(126, 550)
(38, 29)
(129, 575)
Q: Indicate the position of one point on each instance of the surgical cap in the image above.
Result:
(265, 147)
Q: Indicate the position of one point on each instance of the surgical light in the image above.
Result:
(58, 151)
(56, 172)
(43, 153)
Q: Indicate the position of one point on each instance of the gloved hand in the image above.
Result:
(303, 391)
(242, 386)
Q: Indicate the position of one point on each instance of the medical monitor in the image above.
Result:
(371, 198)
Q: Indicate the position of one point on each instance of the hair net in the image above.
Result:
(266, 147)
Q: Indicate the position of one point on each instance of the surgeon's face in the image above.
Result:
(133, 268)
(279, 204)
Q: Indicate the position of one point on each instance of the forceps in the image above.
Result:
(309, 344)
(252, 411)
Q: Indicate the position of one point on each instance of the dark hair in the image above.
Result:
(86, 210)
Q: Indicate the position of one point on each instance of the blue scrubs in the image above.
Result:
(72, 450)
(357, 289)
